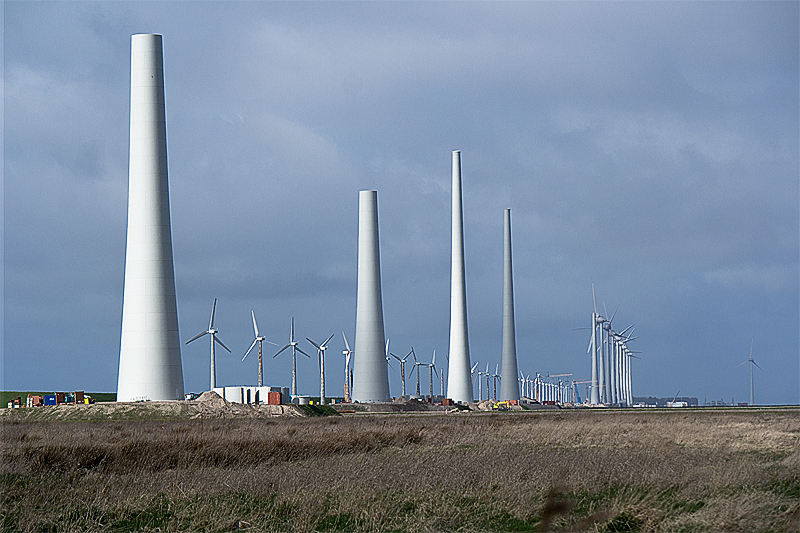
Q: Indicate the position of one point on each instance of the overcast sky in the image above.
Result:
(649, 148)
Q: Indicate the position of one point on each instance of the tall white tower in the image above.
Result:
(370, 376)
(459, 387)
(509, 386)
(150, 350)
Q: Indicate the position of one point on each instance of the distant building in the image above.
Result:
(663, 402)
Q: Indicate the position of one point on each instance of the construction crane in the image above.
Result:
(575, 388)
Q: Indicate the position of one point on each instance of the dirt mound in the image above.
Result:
(212, 399)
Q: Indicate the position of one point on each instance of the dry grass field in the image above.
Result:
(679, 470)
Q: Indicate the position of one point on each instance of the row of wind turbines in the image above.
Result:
(538, 388)
(542, 388)
(611, 360)
(321, 347)
(260, 339)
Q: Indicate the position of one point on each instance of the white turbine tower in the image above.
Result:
(750, 360)
(459, 385)
(509, 389)
(213, 332)
(370, 374)
(321, 353)
(348, 375)
(293, 345)
(150, 347)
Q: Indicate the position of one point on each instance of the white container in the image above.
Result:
(233, 394)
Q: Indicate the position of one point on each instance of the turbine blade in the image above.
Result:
(615, 313)
(314, 343)
(393, 355)
(291, 336)
(345, 342)
(282, 349)
(326, 340)
(594, 297)
(220, 343)
(302, 352)
(433, 361)
(272, 343)
(255, 326)
(473, 368)
(213, 307)
(415, 355)
(758, 366)
(196, 337)
(250, 348)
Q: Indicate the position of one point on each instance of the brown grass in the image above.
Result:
(559, 471)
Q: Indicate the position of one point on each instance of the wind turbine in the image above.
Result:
(417, 364)
(472, 375)
(608, 355)
(488, 375)
(259, 339)
(495, 377)
(598, 393)
(750, 360)
(213, 332)
(480, 386)
(432, 372)
(627, 383)
(441, 374)
(403, 368)
(293, 345)
(321, 353)
(348, 376)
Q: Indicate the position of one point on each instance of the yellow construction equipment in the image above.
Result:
(505, 405)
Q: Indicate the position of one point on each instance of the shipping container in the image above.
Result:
(50, 399)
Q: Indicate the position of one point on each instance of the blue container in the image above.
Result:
(50, 399)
